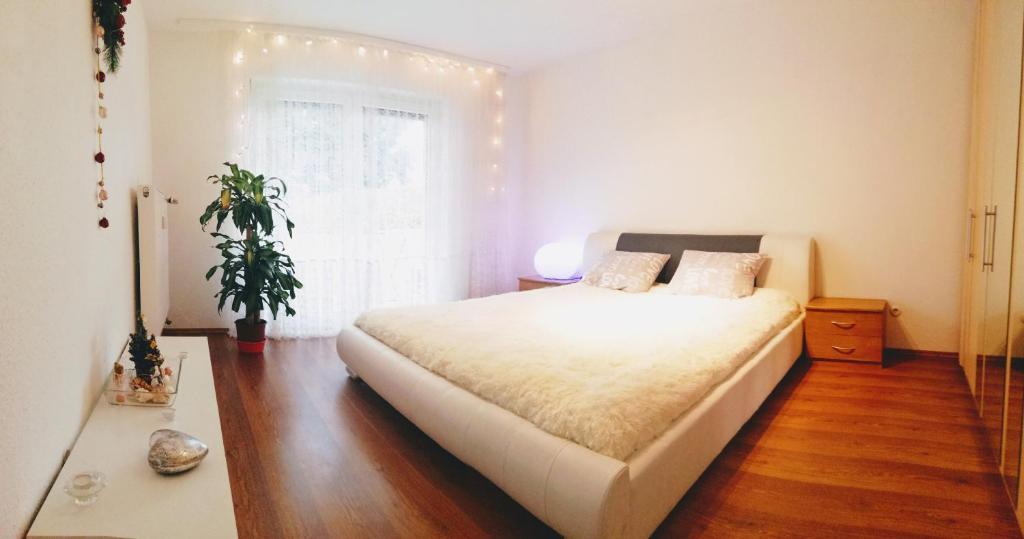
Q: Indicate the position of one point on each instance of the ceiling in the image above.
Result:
(520, 34)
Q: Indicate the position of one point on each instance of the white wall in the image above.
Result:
(188, 82)
(66, 286)
(845, 120)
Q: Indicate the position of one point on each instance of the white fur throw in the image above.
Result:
(603, 368)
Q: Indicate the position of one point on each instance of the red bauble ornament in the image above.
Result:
(99, 157)
(126, 3)
(104, 223)
(101, 76)
(120, 21)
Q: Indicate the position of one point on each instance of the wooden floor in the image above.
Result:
(838, 450)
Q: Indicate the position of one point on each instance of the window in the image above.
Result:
(394, 147)
(393, 167)
(312, 141)
(359, 167)
(395, 163)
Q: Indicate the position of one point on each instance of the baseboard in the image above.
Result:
(889, 352)
(921, 354)
(194, 332)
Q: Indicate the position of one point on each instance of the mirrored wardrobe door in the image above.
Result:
(997, 303)
(986, 110)
(1015, 390)
(1015, 385)
(1004, 62)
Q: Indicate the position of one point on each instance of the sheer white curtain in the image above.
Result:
(393, 162)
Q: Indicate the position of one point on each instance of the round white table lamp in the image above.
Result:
(558, 260)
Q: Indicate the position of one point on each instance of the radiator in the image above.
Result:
(153, 279)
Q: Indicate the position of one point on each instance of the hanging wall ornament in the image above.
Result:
(99, 157)
(108, 16)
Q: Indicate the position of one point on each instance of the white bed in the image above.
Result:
(579, 491)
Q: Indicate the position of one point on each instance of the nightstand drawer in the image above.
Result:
(533, 282)
(849, 347)
(845, 323)
(532, 285)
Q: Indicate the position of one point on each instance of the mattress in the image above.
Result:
(607, 370)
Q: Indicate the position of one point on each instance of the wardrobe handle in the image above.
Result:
(970, 234)
(843, 349)
(984, 242)
(843, 325)
(990, 247)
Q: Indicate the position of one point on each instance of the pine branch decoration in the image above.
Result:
(143, 351)
(112, 55)
(110, 21)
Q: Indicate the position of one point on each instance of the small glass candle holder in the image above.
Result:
(84, 487)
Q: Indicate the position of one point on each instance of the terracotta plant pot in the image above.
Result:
(251, 337)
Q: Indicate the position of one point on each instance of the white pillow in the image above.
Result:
(722, 275)
(626, 271)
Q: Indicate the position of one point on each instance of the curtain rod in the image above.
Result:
(213, 25)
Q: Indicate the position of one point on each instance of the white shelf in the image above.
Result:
(137, 501)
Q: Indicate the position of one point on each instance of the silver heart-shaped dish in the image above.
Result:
(173, 452)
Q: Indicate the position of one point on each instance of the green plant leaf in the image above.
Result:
(220, 303)
(255, 273)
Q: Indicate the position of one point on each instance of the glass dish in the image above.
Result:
(119, 390)
(85, 487)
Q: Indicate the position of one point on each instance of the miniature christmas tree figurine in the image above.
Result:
(143, 351)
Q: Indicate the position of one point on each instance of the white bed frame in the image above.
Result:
(574, 490)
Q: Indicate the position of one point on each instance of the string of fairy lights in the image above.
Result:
(476, 75)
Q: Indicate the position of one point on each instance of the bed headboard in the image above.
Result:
(790, 265)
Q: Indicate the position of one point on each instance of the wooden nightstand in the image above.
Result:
(846, 328)
(533, 282)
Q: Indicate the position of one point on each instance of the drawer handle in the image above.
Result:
(844, 325)
(844, 350)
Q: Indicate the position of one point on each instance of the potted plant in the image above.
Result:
(255, 273)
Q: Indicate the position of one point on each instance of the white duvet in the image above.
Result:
(606, 369)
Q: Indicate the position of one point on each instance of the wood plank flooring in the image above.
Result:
(837, 450)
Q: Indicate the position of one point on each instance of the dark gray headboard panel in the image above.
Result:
(675, 244)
